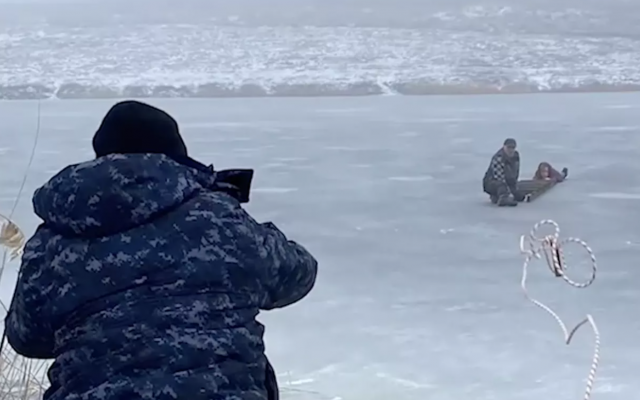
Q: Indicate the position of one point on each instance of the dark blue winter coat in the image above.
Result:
(144, 282)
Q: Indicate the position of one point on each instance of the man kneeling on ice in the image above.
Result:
(501, 179)
(145, 278)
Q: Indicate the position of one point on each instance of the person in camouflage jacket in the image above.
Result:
(145, 278)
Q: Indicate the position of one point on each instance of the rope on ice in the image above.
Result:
(21, 377)
(551, 247)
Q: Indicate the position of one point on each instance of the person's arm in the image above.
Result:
(289, 270)
(27, 327)
(556, 175)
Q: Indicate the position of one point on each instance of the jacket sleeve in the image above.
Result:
(289, 269)
(517, 166)
(27, 328)
(556, 175)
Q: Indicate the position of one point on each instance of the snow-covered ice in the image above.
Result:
(418, 295)
(244, 48)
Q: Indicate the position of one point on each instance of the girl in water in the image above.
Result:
(546, 172)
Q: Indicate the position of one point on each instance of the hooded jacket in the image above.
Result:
(144, 282)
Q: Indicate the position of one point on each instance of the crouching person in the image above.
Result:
(501, 178)
(145, 278)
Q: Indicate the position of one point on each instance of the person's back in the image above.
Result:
(145, 280)
(496, 169)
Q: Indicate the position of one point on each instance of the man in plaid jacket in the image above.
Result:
(501, 178)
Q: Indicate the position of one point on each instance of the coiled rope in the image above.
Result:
(21, 377)
(552, 248)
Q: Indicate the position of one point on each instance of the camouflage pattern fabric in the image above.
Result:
(144, 282)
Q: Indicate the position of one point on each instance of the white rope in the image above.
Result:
(551, 247)
(20, 378)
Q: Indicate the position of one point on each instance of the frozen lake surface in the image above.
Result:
(418, 295)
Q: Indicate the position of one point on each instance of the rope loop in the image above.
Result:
(550, 247)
